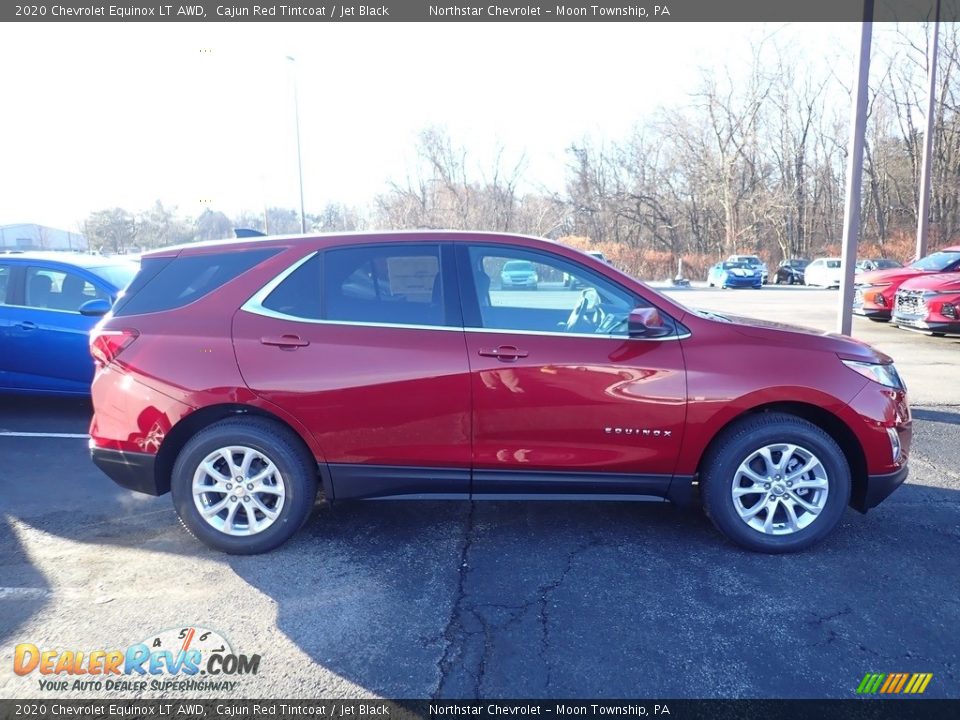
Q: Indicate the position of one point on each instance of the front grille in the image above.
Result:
(910, 303)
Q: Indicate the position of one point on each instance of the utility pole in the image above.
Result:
(851, 215)
(923, 213)
(296, 114)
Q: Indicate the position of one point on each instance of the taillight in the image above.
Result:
(105, 345)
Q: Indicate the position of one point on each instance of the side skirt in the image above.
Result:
(348, 481)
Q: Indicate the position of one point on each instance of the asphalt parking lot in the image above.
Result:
(412, 600)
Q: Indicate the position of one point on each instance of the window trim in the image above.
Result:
(472, 307)
(451, 255)
(451, 293)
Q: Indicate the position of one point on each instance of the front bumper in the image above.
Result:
(130, 470)
(878, 488)
(916, 323)
(871, 312)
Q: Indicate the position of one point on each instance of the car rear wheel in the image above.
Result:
(244, 486)
(775, 483)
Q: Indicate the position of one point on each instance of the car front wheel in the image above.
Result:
(244, 486)
(775, 483)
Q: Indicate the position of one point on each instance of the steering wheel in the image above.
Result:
(587, 309)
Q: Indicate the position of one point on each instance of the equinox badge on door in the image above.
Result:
(646, 432)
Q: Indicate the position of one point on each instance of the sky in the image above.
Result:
(96, 116)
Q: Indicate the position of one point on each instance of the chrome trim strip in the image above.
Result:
(255, 303)
(255, 306)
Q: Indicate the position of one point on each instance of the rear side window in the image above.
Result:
(4, 283)
(392, 285)
(165, 284)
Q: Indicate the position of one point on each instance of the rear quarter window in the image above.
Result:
(166, 284)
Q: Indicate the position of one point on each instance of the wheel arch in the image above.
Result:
(827, 421)
(187, 427)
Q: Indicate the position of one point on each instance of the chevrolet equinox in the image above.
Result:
(245, 377)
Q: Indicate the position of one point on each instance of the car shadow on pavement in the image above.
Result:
(27, 595)
(938, 416)
(611, 599)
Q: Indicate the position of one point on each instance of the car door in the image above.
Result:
(364, 345)
(47, 335)
(566, 402)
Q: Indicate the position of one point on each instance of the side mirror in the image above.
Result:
(95, 308)
(644, 322)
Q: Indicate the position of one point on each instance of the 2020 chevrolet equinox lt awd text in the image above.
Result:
(246, 376)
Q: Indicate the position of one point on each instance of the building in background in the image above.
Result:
(30, 236)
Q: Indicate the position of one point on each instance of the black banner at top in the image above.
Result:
(489, 11)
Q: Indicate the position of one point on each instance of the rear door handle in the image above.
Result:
(285, 342)
(27, 325)
(507, 353)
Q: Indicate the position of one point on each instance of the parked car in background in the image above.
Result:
(876, 264)
(930, 303)
(876, 290)
(734, 274)
(241, 377)
(519, 274)
(823, 272)
(49, 301)
(753, 261)
(790, 272)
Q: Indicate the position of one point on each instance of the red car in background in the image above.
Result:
(930, 303)
(244, 377)
(876, 290)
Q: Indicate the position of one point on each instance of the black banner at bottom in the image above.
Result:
(859, 709)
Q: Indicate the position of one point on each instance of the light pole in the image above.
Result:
(296, 114)
(923, 216)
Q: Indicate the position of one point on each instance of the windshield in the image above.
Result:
(731, 265)
(938, 261)
(117, 275)
(518, 266)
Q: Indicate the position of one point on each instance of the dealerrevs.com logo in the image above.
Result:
(179, 659)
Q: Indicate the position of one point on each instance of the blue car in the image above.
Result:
(732, 274)
(48, 304)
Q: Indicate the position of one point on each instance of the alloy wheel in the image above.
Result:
(238, 490)
(780, 489)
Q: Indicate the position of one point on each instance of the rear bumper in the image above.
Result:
(130, 470)
(878, 488)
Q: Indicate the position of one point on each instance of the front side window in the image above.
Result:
(59, 290)
(390, 285)
(517, 289)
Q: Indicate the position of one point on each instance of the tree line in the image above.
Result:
(751, 163)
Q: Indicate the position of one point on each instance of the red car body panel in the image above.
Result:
(615, 416)
(877, 289)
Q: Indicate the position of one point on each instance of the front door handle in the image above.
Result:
(507, 353)
(27, 325)
(285, 342)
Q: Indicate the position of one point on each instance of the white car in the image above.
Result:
(823, 272)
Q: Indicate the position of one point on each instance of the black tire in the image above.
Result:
(736, 443)
(879, 319)
(285, 450)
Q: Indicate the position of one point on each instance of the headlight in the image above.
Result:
(884, 374)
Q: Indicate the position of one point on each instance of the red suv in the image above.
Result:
(243, 376)
(876, 290)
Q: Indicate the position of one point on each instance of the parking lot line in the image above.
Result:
(75, 436)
